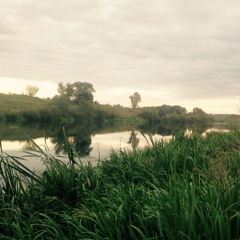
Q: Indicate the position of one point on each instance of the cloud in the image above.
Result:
(187, 49)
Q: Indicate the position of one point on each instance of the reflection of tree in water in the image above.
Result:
(81, 143)
(59, 142)
(199, 128)
(166, 129)
(133, 139)
(29, 145)
(173, 129)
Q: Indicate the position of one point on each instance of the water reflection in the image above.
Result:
(200, 128)
(89, 139)
(168, 129)
(82, 145)
(81, 141)
(133, 139)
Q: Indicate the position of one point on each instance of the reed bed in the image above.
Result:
(187, 188)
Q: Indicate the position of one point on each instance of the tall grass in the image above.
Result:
(188, 188)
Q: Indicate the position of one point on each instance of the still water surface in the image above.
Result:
(92, 142)
(101, 145)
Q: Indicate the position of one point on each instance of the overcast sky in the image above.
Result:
(176, 52)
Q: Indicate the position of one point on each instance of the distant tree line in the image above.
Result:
(178, 114)
(75, 101)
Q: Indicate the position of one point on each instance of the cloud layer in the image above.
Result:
(173, 52)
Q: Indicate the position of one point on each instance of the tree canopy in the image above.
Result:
(77, 91)
(31, 90)
(135, 99)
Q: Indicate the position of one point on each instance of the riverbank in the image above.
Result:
(186, 188)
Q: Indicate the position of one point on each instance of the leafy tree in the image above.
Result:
(62, 102)
(77, 91)
(82, 91)
(167, 109)
(135, 99)
(61, 89)
(65, 90)
(31, 90)
(179, 110)
(199, 111)
(199, 116)
(164, 110)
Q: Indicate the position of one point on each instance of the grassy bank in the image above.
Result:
(16, 108)
(188, 188)
(20, 103)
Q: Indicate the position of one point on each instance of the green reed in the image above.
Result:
(187, 188)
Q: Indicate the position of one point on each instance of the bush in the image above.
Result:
(30, 116)
(12, 117)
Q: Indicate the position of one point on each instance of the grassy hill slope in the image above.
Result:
(14, 107)
(19, 103)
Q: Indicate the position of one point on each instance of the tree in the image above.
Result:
(82, 91)
(77, 91)
(65, 90)
(31, 90)
(199, 111)
(61, 89)
(199, 116)
(62, 102)
(135, 99)
(165, 110)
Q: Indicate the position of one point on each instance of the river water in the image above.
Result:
(91, 142)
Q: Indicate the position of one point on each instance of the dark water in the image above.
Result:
(91, 141)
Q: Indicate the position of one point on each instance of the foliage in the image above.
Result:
(31, 90)
(20, 108)
(177, 114)
(65, 90)
(77, 91)
(164, 110)
(62, 89)
(199, 116)
(14, 107)
(187, 188)
(62, 102)
(231, 119)
(135, 99)
(83, 91)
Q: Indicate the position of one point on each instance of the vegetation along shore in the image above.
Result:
(184, 188)
(187, 188)
(75, 102)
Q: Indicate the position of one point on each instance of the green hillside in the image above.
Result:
(19, 103)
(22, 108)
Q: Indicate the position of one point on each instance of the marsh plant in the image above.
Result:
(187, 188)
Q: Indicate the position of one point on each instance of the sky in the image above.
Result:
(171, 52)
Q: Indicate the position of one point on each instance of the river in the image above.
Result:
(92, 142)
